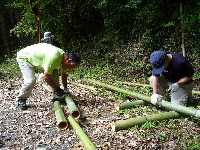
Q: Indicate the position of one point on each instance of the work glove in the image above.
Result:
(60, 92)
(41, 77)
(66, 90)
(174, 87)
(155, 98)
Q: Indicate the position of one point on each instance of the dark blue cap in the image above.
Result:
(157, 60)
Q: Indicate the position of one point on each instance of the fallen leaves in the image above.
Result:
(36, 127)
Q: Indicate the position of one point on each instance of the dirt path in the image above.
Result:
(36, 127)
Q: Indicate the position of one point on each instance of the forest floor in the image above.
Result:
(36, 127)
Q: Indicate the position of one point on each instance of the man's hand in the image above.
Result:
(155, 98)
(60, 92)
(174, 87)
(67, 91)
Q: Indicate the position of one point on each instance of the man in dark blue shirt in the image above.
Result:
(174, 72)
(49, 39)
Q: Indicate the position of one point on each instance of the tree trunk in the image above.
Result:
(183, 43)
(5, 34)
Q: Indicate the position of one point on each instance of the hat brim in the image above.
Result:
(48, 37)
(159, 70)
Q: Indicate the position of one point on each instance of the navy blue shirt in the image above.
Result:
(54, 43)
(177, 69)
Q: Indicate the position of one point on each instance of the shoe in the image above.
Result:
(21, 103)
(60, 99)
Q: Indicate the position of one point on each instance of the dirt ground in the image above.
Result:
(36, 127)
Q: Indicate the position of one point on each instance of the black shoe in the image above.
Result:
(21, 103)
(61, 100)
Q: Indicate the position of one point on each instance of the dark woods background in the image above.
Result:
(118, 31)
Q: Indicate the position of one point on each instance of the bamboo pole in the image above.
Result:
(179, 108)
(129, 83)
(60, 117)
(75, 113)
(81, 134)
(129, 105)
(84, 86)
(148, 85)
(124, 124)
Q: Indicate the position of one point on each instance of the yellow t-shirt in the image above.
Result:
(43, 56)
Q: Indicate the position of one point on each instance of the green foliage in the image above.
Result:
(119, 112)
(149, 125)
(196, 76)
(11, 67)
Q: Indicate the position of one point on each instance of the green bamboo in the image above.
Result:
(124, 124)
(60, 117)
(75, 113)
(129, 105)
(148, 85)
(179, 108)
(196, 92)
(129, 83)
(84, 86)
(81, 134)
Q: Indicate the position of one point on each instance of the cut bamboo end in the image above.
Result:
(63, 125)
(117, 108)
(113, 126)
(75, 114)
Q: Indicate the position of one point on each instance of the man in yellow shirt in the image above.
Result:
(46, 57)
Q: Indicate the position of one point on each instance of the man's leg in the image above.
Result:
(55, 78)
(29, 82)
(163, 85)
(184, 95)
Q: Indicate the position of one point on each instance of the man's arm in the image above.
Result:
(64, 79)
(155, 84)
(184, 80)
(48, 79)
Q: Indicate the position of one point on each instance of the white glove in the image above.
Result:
(174, 87)
(41, 77)
(155, 98)
(66, 90)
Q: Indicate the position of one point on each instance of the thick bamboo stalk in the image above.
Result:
(179, 108)
(81, 134)
(75, 113)
(129, 105)
(148, 85)
(84, 86)
(60, 117)
(124, 124)
(129, 83)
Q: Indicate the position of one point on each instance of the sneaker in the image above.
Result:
(21, 103)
